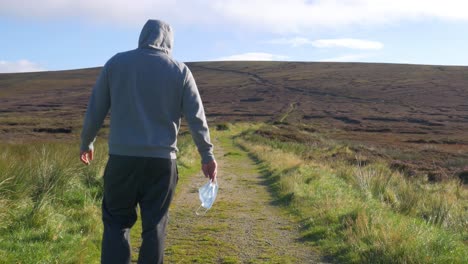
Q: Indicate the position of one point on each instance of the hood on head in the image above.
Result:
(158, 35)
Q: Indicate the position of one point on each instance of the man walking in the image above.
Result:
(147, 92)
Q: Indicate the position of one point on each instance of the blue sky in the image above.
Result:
(59, 35)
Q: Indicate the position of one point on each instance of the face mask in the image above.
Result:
(207, 194)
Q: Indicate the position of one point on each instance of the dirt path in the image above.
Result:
(242, 227)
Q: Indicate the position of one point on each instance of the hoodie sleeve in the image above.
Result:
(98, 107)
(192, 108)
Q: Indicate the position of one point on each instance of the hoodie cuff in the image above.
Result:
(207, 157)
(84, 147)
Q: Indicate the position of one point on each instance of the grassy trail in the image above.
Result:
(244, 225)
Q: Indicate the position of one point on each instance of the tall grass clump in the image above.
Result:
(363, 212)
(441, 204)
(50, 204)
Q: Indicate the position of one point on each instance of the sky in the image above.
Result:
(49, 35)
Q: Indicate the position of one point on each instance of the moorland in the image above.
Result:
(369, 159)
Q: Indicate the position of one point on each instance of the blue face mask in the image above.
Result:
(207, 194)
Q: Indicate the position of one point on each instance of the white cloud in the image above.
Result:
(253, 56)
(19, 66)
(302, 15)
(294, 42)
(347, 58)
(349, 43)
(267, 15)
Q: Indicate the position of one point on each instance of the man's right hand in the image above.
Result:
(86, 156)
(210, 169)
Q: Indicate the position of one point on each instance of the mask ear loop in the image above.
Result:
(197, 212)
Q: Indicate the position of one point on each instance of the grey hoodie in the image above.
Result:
(147, 92)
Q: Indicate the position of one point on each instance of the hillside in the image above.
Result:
(404, 106)
(319, 163)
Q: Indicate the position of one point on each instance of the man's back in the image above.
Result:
(146, 88)
(147, 92)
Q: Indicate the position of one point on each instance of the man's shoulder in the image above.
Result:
(176, 65)
(182, 66)
(133, 56)
(121, 55)
(118, 57)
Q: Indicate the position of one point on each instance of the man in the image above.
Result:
(147, 92)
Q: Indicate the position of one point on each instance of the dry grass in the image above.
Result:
(365, 213)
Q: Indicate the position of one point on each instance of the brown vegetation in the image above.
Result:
(415, 114)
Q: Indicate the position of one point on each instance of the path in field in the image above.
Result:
(242, 227)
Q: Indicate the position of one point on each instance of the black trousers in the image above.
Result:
(128, 182)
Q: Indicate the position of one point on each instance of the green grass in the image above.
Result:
(354, 212)
(50, 204)
(233, 232)
(188, 159)
(362, 213)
